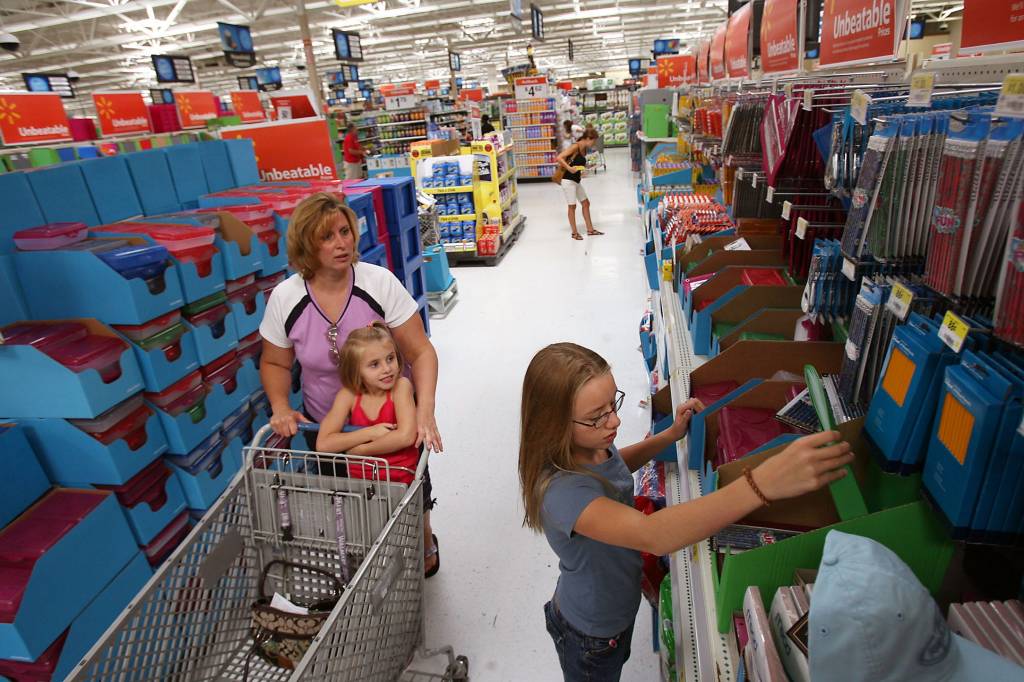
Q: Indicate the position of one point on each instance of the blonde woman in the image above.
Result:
(310, 315)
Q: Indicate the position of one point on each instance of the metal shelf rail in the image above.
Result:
(702, 653)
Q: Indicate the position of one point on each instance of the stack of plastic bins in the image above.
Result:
(204, 472)
(369, 250)
(199, 265)
(400, 207)
(56, 558)
(353, 187)
(164, 347)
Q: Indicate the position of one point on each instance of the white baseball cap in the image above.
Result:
(873, 621)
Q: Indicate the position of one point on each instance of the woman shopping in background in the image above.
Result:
(573, 161)
(310, 315)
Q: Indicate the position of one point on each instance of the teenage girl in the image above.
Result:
(573, 160)
(577, 488)
(372, 384)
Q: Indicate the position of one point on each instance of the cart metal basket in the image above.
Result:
(191, 622)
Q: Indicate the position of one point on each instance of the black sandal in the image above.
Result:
(577, 236)
(436, 551)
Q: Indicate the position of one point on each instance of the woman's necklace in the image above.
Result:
(332, 326)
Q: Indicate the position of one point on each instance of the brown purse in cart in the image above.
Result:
(281, 638)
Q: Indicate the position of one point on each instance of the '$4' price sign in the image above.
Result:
(532, 87)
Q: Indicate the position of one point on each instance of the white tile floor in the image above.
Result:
(495, 576)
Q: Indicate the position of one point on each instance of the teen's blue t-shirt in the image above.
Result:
(598, 588)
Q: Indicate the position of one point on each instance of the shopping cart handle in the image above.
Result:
(313, 426)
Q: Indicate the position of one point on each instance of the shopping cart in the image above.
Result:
(192, 620)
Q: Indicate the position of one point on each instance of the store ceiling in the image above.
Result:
(109, 42)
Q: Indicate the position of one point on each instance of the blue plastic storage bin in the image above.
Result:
(414, 281)
(68, 575)
(21, 210)
(70, 455)
(25, 480)
(436, 274)
(153, 181)
(35, 385)
(62, 194)
(158, 372)
(362, 204)
(59, 284)
(216, 165)
(203, 487)
(184, 162)
(424, 312)
(377, 255)
(213, 341)
(242, 159)
(111, 187)
(247, 322)
(399, 201)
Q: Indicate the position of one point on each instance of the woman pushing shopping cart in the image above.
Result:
(294, 574)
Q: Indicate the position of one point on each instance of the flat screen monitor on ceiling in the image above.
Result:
(348, 46)
(58, 83)
(171, 69)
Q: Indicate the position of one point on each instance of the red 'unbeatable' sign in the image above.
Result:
(717, 57)
(857, 31)
(992, 25)
(779, 31)
(737, 42)
(676, 70)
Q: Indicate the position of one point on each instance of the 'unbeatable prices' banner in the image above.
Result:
(703, 72)
(779, 35)
(992, 25)
(195, 107)
(857, 31)
(247, 106)
(290, 150)
(717, 56)
(121, 113)
(676, 70)
(32, 118)
(737, 42)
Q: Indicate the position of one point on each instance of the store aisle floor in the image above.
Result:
(495, 575)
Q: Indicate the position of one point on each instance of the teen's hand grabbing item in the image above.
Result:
(807, 464)
(684, 413)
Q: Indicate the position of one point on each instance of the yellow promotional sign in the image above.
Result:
(353, 3)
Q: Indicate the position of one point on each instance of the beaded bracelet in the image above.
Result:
(753, 486)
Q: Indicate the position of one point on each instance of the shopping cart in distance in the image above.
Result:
(595, 158)
(192, 622)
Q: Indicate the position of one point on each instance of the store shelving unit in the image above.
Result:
(702, 653)
(533, 124)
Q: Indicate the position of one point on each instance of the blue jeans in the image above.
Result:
(584, 658)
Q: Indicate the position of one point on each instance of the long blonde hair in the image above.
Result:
(350, 357)
(552, 381)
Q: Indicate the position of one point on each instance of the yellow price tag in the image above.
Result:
(666, 269)
(921, 86)
(1011, 97)
(953, 331)
(899, 301)
(859, 102)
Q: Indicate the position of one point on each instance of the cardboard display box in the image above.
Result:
(774, 320)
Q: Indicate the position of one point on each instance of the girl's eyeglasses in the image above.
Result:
(603, 418)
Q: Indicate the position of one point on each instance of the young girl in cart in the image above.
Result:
(577, 488)
(372, 384)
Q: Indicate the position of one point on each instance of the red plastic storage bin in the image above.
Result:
(43, 336)
(223, 371)
(102, 353)
(140, 332)
(250, 346)
(247, 297)
(50, 236)
(125, 420)
(762, 277)
(186, 395)
(169, 538)
(149, 486)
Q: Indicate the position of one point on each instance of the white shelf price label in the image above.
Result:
(899, 301)
(850, 269)
(753, 180)
(953, 331)
(769, 196)
(787, 208)
(921, 86)
(1011, 97)
(808, 100)
(532, 87)
(801, 228)
(859, 106)
(739, 174)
